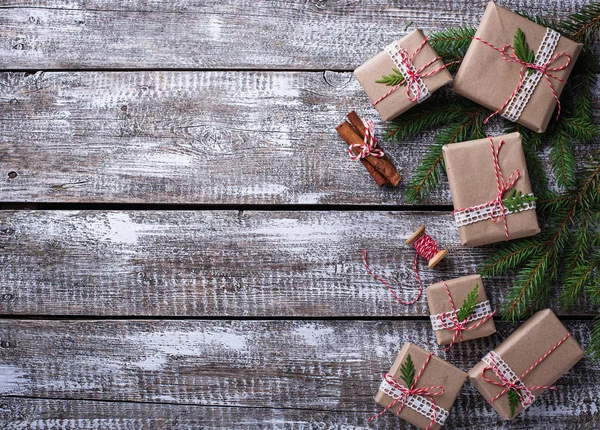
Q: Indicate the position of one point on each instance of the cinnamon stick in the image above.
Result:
(345, 130)
(383, 165)
(357, 123)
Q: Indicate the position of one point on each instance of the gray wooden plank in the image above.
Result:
(21, 413)
(191, 137)
(224, 263)
(312, 34)
(319, 366)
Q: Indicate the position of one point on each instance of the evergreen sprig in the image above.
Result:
(452, 44)
(468, 306)
(513, 401)
(407, 371)
(522, 50)
(516, 200)
(393, 79)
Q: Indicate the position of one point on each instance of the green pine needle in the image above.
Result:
(393, 79)
(515, 201)
(407, 371)
(468, 306)
(513, 401)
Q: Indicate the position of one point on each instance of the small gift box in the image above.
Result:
(420, 388)
(516, 67)
(490, 190)
(460, 310)
(526, 364)
(409, 70)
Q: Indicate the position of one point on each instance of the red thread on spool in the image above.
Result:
(426, 248)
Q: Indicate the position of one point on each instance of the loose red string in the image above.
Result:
(427, 248)
(503, 186)
(508, 54)
(459, 326)
(519, 385)
(429, 392)
(413, 76)
(369, 145)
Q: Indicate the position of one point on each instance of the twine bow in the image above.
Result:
(503, 185)
(508, 54)
(518, 386)
(459, 326)
(368, 147)
(413, 75)
(407, 392)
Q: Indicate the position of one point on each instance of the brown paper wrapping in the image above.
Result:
(472, 181)
(437, 299)
(397, 103)
(437, 372)
(486, 78)
(522, 349)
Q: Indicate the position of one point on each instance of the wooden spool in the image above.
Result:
(437, 257)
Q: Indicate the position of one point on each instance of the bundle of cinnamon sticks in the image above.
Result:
(381, 169)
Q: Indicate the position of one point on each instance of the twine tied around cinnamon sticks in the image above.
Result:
(362, 146)
(516, 102)
(450, 321)
(419, 399)
(510, 381)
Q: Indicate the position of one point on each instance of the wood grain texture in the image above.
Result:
(313, 34)
(224, 263)
(192, 137)
(321, 367)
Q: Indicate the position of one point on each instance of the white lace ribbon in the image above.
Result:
(493, 360)
(399, 57)
(443, 320)
(481, 213)
(519, 101)
(417, 403)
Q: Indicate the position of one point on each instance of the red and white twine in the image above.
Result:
(451, 322)
(368, 147)
(508, 54)
(405, 394)
(496, 205)
(499, 367)
(404, 61)
(426, 248)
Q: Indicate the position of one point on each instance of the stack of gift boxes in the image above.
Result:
(493, 202)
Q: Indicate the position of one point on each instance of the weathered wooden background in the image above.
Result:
(181, 228)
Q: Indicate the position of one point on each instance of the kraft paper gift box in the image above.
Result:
(438, 372)
(440, 306)
(382, 64)
(472, 180)
(522, 349)
(486, 78)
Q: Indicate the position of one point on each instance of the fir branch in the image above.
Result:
(513, 401)
(594, 344)
(441, 110)
(407, 370)
(393, 79)
(583, 26)
(468, 306)
(562, 157)
(511, 256)
(427, 174)
(452, 44)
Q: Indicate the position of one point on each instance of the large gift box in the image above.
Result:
(489, 74)
(451, 322)
(490, 190)
(526, 364)
(439, 380)
(411, 54)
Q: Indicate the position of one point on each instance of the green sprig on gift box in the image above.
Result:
(568, 250)
(468, 306)
(393, 79)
